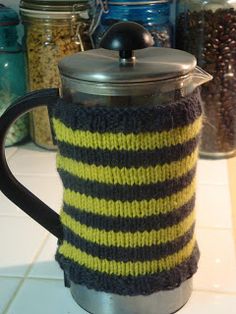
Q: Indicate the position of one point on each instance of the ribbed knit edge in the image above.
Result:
(132, 286)
(130, 119)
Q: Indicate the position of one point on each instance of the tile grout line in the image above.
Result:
(229, 293)
(5, 310)
(46, 279)
(20, 215)
(232, 186)
(11, 277)
(36, 174)
(31, 278)
(214, 228)
(213, 184)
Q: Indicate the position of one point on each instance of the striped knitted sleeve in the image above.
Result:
(129, 194)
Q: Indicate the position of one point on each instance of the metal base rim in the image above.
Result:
(156, 313)
(163, 302)
(217, 155)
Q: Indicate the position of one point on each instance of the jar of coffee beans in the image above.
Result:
(207, 29)
(54, 29)
(154, 15)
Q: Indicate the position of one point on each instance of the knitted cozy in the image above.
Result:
(129, 193)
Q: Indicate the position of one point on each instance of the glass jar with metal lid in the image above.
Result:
(154, 15)
(127, 124)
(207, 29)
(53, 29)
(12, 72)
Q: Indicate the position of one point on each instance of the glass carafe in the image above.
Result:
(127, 125)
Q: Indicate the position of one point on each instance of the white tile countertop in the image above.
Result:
(31, 281)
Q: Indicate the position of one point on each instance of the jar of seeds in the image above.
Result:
(53, 29)
(12, 72)
(154, 15)
(207, 29)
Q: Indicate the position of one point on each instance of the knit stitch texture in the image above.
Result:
(129, 194)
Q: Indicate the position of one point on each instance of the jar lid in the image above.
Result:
(136, 2)
(54, 9)
(103, 67)
(8, 16)
(50, 5)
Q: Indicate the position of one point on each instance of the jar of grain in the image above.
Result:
(53, 29)
(207, 29)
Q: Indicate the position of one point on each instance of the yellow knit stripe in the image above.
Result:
(129, 176)
(128, 239)
(127, 268)
(129, 209)
(130, 142)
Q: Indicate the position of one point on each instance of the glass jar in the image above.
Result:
(207, 29)
(12, 72)
(153, 15)
(53, 29)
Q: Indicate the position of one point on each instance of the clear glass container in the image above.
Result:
(207, 29)
(153, 15)
(12, 72)
(139, 88)
(123, 73)
(143, 95)
(53, 29)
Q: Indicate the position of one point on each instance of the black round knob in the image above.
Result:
(126, 37)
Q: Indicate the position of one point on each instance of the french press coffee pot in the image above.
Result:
(127, 129)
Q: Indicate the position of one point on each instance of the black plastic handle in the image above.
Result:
(9, 185)
(126, 37)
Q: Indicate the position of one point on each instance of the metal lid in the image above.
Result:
(146, 65)
(8, 16)
(151, 64)
(126, 68)
(50, 5)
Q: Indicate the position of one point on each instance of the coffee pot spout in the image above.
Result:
(199, 77)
